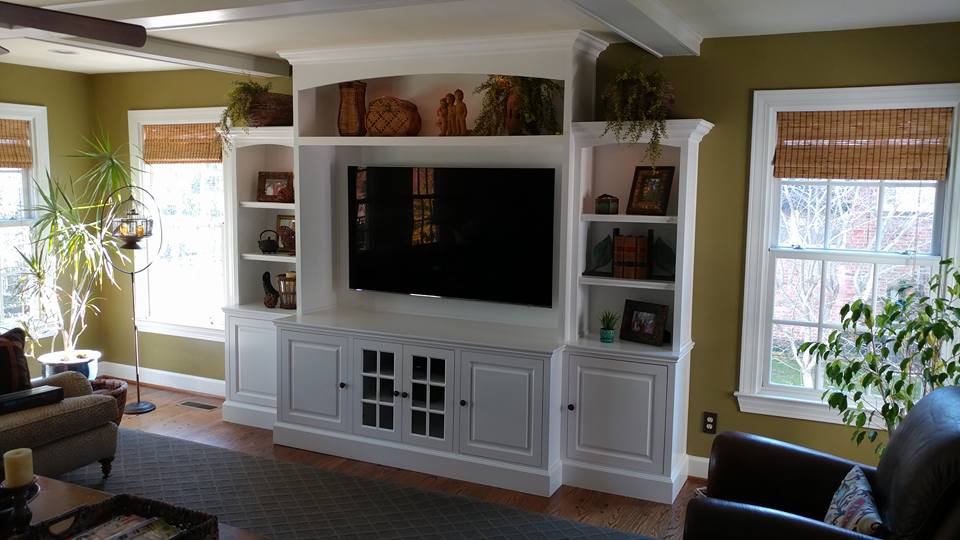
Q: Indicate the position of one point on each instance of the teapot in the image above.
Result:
(268, 245)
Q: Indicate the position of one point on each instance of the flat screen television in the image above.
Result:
(474, 233)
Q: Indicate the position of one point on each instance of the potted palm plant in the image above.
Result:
(608, 326)
(69, 256)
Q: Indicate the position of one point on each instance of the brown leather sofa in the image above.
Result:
(764, 488)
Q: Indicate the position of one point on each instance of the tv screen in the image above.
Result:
(479, 233)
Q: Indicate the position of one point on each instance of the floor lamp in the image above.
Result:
(130, 223)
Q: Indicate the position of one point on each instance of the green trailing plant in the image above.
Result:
(880, 364)
(535, 102)
(70, 251)
(637, 103)
(609, 320)
(239, 100)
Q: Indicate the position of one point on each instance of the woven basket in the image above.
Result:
(270, 109)
(350, 122)
(392, 117)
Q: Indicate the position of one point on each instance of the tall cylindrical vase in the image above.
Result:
(352, 121)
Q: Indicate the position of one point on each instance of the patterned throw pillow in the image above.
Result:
(14, 374)
(853, 506)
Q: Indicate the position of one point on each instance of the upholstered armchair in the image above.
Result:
(763, 488)
(67, 435)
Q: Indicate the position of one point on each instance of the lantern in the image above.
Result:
(133, 224)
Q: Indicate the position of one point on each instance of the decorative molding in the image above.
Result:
(678, 132)
(169, 379)
(698, 466)
(248, 414)
(649, 24)
(652, 487)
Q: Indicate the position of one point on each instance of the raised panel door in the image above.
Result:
(252, 361)
(315, 380)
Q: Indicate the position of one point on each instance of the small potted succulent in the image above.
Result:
(608, 326)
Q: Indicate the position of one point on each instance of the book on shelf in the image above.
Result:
(631, 257)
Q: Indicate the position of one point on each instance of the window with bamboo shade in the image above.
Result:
(15, 150)
(879, 144)
(181, 143)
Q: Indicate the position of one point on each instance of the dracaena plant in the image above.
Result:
(881, 363)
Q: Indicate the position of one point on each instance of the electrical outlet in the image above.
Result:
(709, 422)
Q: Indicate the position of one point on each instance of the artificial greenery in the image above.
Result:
(637, 102)
(239, 100)
(70, 249)
(609, 320)
(535, 97)
(878, 365)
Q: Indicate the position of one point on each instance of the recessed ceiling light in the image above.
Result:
(63, 51)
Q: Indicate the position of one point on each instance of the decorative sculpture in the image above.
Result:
(442, 117)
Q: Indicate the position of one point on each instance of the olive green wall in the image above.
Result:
(717, 86)
(112, 96)
(67, 99)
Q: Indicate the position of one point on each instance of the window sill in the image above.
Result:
(180, 330)
(786, 407)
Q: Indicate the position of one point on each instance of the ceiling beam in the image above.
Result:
(646, 23)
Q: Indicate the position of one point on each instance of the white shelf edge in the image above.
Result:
(623, 218)
(650, 284)
(518, 140)
(268, 205)
(628, 349)
(258, 310)
(291, 259)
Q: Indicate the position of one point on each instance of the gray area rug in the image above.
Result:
(287, 501)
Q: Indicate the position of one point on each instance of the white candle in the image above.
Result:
(18, 467)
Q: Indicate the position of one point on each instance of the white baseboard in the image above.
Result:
(171, 379)
(699, 466)
(249, 415)
(650, 487)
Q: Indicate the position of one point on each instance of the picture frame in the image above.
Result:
(275, 186)
(650, 191)
(644, 322)
(286, 233)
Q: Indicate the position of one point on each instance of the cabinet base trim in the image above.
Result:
(249, 415)
(459, 467)
(651, 487)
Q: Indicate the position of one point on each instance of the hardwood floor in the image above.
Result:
(207, 426)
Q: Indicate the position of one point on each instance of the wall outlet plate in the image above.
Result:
(709, 424)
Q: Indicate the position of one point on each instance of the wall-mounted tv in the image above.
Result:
(473, 233)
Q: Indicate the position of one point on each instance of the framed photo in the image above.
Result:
(274, 186)
(287, 233)
(643, 322)
(650, 191)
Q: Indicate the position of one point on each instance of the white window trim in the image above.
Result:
(40, 144)
(753, 396)
(136, 119)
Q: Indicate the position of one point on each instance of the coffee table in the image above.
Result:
(57, 497)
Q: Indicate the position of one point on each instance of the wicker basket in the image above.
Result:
(392, 117)
(353, 97)
(270, 109)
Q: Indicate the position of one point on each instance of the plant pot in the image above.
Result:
(83, 361)
(607, 335)
(271, 109)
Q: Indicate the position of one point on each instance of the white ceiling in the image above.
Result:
(30, 52)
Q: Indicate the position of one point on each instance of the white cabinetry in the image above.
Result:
(314, 380)
(251, 369)
(428, 392)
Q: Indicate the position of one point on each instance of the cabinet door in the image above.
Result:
(619, 413)
(502, 407)
(252, 361)
(376, 404)
(315, 382)
(428, 410)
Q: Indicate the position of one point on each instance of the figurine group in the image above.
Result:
(452, 114)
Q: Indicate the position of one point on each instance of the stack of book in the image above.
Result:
(631, 256)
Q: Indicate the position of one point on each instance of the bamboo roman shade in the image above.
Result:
(881, 144)
(181, 143)
(15, 151)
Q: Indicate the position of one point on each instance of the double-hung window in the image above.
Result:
(177, 157)
(851, 197)
(24, 157)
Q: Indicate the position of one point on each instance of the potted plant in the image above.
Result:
(252, 104)
(517, 106)
(879, 364)
(638, 103)
(608, 326)
(69, 256)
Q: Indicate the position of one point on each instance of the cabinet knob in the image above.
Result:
(396, 392)
(343, 385)
(404, 394)
(463, 403)
(571, 407)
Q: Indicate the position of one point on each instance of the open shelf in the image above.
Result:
(268, 205)
(652, 284)
(271, 257)
(591, 342)
(517, 140)
(623, 218)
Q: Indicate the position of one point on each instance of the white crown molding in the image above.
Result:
(690, 130)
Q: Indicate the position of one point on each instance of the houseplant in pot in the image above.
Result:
(637, 103)
(515, 105)
(608, 326)
(68, 258)
(252, 104)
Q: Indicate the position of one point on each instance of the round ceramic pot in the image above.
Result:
(83, 361)
(606, 336)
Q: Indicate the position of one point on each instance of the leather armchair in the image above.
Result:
(764, 488)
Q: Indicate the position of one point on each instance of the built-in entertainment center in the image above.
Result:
(446, 316)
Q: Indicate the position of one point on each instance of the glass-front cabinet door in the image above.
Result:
(429, 383)
(377, 397)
